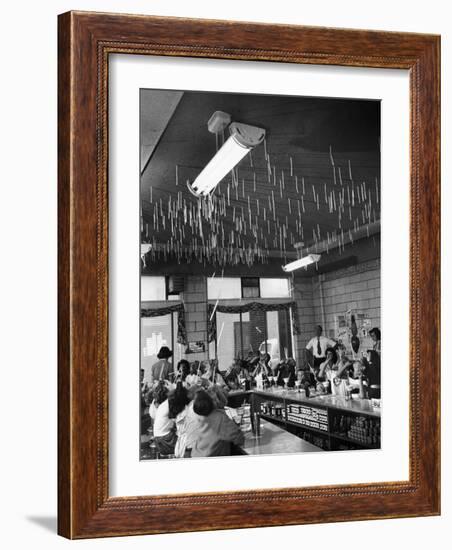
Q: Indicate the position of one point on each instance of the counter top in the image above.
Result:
(363, 406)
(276, 440)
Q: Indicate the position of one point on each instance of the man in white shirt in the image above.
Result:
(318, 345)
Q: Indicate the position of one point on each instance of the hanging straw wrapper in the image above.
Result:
(331, 156)
(214, 310)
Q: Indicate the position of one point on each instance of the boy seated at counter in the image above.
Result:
(215, 431)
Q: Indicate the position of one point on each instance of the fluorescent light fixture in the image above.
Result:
(243, 139)
(302, 262)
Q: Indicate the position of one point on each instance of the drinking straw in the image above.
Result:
(221, 332)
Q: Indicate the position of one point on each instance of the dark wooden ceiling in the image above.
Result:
(317, 176)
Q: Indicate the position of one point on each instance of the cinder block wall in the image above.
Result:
(356, 287)
(195, 300)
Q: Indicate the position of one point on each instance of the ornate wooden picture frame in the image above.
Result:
(86, 40)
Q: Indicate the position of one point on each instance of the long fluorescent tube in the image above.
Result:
(302, 262)
(243, 138)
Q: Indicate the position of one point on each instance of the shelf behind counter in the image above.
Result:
(331, 422)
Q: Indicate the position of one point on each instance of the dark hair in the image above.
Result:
(160, 393)
(194, 367)
(375, 331)
(164, 353)
(333, 351)
(320, 327)
(184, 367)
(266, 358)
(243, 364)
(203, 403)
(177, 400)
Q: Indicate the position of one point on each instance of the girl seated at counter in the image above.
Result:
(182, 371)
(339, 374)
(181, 410)
(194, 376)
(326, 371)
(262, 370)
(285, 371)
(372, 371)
(163, 426)
(211, 373)
(236, 373)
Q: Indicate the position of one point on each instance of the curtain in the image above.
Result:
(166, 310)
(244, 308)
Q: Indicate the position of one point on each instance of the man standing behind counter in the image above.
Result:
(317, 346)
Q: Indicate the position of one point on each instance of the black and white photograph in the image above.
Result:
(259, 230)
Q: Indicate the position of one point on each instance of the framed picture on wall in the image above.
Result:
(241, 233)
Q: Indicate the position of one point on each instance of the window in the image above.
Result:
(253, 331)
(250, 287)
(153, 288)
(155, 333)
(223, 288)
(239, 334)
(161, 330)
(275, 288)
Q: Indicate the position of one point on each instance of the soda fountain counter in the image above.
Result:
(274, 439)
(329, 422)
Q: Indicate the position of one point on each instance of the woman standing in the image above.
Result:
(163, 369)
